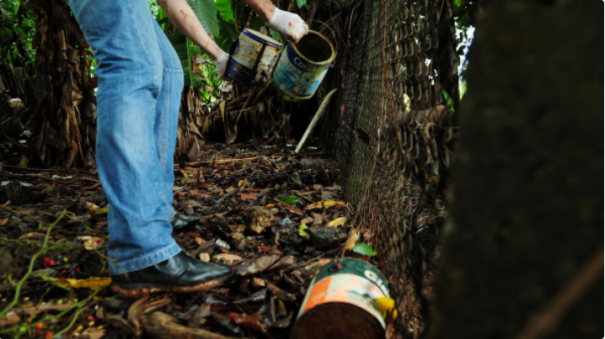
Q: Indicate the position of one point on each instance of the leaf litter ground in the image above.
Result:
(273, 216)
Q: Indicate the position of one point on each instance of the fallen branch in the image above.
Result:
(318, 114)
(161, 325)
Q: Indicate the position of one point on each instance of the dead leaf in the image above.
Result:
(32, 235)
(135, 311)
(317, 219)
(3, 221)
(256, 266)
(248, 196)
(205, 257)
(90, 243)
(242, 183)
(281, 294)
(258, 282)
(10, 319)
(328, 204)
(352, 240)
(337, 222)
(228, 259)
(45, 307)
(161, 326)
(93, 333)
(93, 283)
(91, 207)
(260, 218)
(307, 220)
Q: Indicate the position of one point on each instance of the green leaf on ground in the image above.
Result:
(364, 249)
(291, 200)
(301, 230)
(301, 3)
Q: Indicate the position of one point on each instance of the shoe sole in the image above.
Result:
(138, 291)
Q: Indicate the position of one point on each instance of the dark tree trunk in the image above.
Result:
(527, 211)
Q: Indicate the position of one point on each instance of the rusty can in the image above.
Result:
(253, 58)
(340, 303)
(303, 65)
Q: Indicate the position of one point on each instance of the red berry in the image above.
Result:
(48, 335)
(46, 261)
(98, 240)
(90, 318)
(52, 263)
(64, 271)
(77, 269)
(69, 257)
(38, 332)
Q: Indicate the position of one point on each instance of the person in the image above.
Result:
(140, 80)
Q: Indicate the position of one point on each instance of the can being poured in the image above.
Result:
(253, 58)
(339, 303)
(303, 66)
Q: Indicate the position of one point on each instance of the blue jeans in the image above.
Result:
(140, 80)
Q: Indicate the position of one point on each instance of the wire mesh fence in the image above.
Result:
(392, 138)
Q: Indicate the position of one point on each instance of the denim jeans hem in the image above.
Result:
(144, 261)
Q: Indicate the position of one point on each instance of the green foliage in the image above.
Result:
(228, 35)
(225, 9)
(17, 30)
(364, 249)
(275, 35)
(206, 13)
(291, 200)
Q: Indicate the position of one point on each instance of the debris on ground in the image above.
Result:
(274, 216)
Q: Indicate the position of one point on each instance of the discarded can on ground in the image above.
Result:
(303, 65)
(253, 58)
(339, 303)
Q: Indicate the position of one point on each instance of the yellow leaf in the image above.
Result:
(93, 283)
(352, 240)
(242, 183)
(328, 204)
(384, 305)
(337, 222)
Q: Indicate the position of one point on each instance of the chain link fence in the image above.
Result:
(393, 133)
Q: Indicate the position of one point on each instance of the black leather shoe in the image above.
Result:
(180, 273)
(179, 221)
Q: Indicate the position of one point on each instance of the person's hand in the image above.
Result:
(222, 62)
(289, 24)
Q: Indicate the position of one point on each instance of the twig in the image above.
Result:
(221, 161)
(559, 305)
(30, 269)
(227, 196)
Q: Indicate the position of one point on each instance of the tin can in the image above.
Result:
(339, 303)
(253, 58)
(303, 66)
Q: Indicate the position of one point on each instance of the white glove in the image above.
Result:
(222, 62)
(289, 24)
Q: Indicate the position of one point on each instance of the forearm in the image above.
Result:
(182, 16)
(264, 8)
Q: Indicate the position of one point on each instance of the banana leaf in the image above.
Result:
(205, 10)
(225, 9)
(186, 51)
(228, 35)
